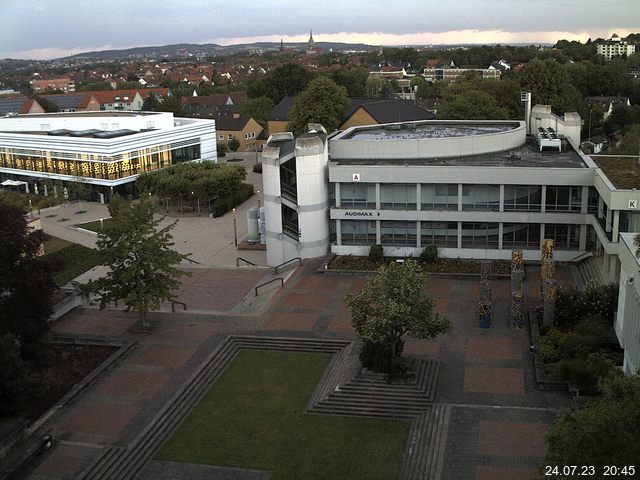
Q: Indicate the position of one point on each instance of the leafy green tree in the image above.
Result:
(234, 144)
(321, 102)
(353, 78)
(14, 384)
(374, 87)
(391, 305)
(285, 81)
(142, 264)
(471, 105)
(25, 277)
(48, 105)
(550, 84)
(630, 143)
(258, 109)
(606, 431)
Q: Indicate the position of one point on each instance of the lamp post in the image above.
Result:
(235, 229)
(589, 124)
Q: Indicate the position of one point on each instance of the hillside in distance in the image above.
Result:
(213, 49)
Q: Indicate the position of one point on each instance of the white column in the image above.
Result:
(608, 221)
(613, 269)
(616, 225)
(378, 234)
(541, 235)
(338, 232)
(418, 198)
(378, 200)
(584, 206)
(501, 209)
(543, 199)
(460, 189)
(583, 237)
(459, 234)
(418, 236)
(500, 231)
(336, 192)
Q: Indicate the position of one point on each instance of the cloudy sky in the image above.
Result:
(46, 29)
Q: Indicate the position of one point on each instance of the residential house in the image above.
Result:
(606, 104)
(65, 84)
(361, 111)
(19, 105)
(242, 127)
(74, 102)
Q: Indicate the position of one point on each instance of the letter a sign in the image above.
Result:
(356, 177)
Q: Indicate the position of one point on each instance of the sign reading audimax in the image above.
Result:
(361, 213)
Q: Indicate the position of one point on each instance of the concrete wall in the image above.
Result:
(85, 121)
(344, 147)
(627, 322)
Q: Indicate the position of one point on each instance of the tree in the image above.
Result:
(14, 384)
(606, 431)
(258, 109)
(352, 78)
(391, 305)
(234, 144)
(549, 84)
(323, 101)
(471, 105)
(25, 278)
(287, 80)
(142, 264)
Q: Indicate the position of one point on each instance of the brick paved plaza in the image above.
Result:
(498, 422)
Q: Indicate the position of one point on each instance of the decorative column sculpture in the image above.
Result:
(484, 306)
(517, 277)
(547, 269)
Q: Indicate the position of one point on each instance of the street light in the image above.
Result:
(235, 229)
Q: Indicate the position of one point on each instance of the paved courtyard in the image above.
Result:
(498, 421)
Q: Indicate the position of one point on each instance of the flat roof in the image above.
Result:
(101, 113)
(412, 131)
(623, 172)
(527, 155)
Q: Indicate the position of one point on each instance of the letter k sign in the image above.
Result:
(633, 204)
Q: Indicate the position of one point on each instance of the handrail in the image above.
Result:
(582, 256)
(173, 305)
(193, 261)
(288, 261)
(270, 281)
(244, 260)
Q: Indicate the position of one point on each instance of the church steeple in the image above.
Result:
(281, 45)
(311, 45)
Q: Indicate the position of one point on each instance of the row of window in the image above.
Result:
(445, 234)
(474, 197)
(145, 161)
(247, 136)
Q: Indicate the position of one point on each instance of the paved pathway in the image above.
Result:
(498, 419)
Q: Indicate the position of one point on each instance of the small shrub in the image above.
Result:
(549, 345)
(585, 374)
(257, 168)
(376, 253)
(225, 204)
(222, 149)
(429, 254)
(234, 144)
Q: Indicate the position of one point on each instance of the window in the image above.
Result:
(479, 235)
(439, 196)
(400, 196)
(398, 233)
(522, 198)
(220, 137)
(481, 197)
(563, 199)
(565, 237)
(521, 235)
(441, 234)
(358, 195)
(229, 137)
(358, 232)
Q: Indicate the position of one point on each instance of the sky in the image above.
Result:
(46, 29)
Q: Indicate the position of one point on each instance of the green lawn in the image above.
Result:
(94, 226)
(253, 417)
(72, 259)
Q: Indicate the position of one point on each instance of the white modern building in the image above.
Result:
(103, 149)
(627, 322)
(615, 47)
